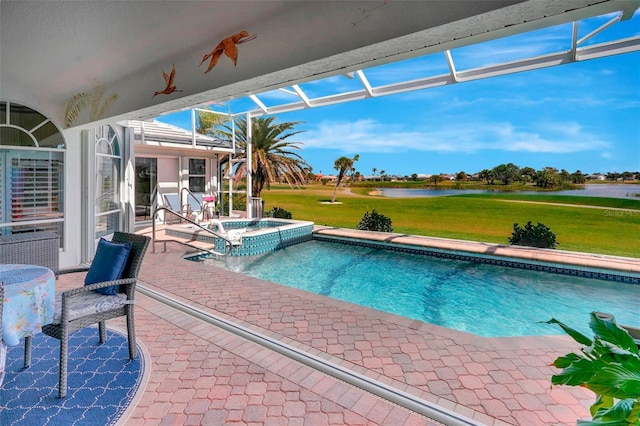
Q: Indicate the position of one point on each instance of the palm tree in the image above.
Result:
(374, 170)
(487, 175)
(435, 179)
(343, 165)
(272, 157)
(209, 123)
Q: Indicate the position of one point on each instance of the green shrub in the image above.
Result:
(375, 221)
(280, 213)
(239, 203)
(533, 236)
(608, 365)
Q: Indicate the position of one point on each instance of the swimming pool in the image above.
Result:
(486, 300)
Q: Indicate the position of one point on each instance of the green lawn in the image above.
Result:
(486, 218)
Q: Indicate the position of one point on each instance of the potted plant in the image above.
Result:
(609, 365)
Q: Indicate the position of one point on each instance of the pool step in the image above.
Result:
(186, 237)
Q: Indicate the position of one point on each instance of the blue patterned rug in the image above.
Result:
(102, 381)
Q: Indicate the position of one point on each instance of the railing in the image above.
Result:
(228, 243)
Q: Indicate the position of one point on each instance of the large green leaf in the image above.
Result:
(634, 415)
(617, 380)
(624, 413)
(578, 373)
(602, 402)
(605, 423)
(576, 335)
(610, 332)
(566, 360)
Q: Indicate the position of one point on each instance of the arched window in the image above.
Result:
(32, 153)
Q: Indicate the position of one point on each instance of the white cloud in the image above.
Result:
(531, 44)
(371, 136)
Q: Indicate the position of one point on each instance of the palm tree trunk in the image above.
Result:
(333, 199)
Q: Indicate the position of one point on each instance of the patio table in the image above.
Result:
(29, 301)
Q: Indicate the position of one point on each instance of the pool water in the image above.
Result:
(485, 300)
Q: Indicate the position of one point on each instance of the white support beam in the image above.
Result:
(452, 66)
(423, 83)
(258, 102)
(599, 29)
(302, 95)
(365, 82)
(193, 128)
(574, 40)
(249, 158)
(631, 44)
(287, 91)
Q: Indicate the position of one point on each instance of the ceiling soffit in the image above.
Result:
(53, 50)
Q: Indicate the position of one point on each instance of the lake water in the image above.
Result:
(604, 190)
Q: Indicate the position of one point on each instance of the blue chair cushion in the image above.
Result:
(108, 264)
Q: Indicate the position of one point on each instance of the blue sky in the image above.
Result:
(581, 116)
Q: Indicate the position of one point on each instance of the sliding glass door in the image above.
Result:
(146, 181)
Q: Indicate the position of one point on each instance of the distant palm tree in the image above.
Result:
(272, 157)
(374, 170)
(435, 179)
(343, 165)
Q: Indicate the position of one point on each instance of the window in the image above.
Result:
(107, 191)
(31, 172)
(197, 175)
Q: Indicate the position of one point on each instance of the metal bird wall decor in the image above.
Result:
(228, 47)
(168, 79)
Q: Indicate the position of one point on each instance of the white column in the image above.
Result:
(248, 156)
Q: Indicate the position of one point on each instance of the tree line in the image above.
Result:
(548, 177)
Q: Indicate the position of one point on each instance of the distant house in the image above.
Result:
(596, 176)
(330, 178)
(170, 158)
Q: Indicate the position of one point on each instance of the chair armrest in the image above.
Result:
(91, 287)
(73, 270)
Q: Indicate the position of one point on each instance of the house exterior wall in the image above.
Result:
(71, 253)
(173, 169)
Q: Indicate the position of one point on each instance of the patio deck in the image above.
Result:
(202, 374)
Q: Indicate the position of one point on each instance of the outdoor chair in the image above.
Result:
(172, 202)
(108, 293)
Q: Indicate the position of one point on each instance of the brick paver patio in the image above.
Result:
(201, 374)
